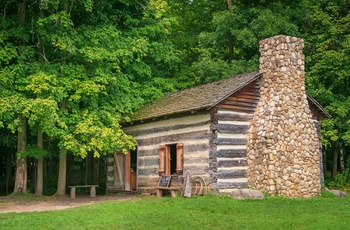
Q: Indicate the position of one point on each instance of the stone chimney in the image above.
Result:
(283, 146)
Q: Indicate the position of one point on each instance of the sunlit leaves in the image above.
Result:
(97, 134)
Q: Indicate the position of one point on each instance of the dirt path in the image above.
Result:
(39, 204)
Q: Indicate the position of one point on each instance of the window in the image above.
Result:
(170, 159)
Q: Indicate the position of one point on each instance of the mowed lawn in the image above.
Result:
(207, 212)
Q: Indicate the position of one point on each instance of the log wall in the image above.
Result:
(192, 131)
(230, 125)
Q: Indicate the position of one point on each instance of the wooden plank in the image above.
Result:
(252, 94)
(243, 104)
(167, 160)
(249, 96)
(237, 108)
(127, 172)
(72, 192)
(82, 186)
(162, 152)
(241, 99)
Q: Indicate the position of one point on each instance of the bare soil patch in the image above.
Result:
(49, 203)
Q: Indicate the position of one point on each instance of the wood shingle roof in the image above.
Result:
(195, 98)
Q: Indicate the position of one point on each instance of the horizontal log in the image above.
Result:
(227, 174)
(231, 163)
(229, 141)
(226, 185)
(234, 117)
(250, 112)
(196, 160)
(140, 132)
(195, 148)
(228, 153)
(147, 171)
(148, 152)
(110, 174)
(197, 172)
(252, 93)
(249, 95)
(175, 138)
(228, 128)
(148, 160)
(147, 183)
(240, 103)
(241, 99)
(109, 163)
(237, 108)
(187, 149)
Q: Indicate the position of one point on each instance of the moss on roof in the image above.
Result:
(195, 98)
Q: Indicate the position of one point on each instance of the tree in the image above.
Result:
(89, 63)
(231, 47)
(328, 47)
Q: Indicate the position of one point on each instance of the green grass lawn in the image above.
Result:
(208, 212)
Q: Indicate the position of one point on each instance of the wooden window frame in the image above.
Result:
(165, 159)
(161, 170)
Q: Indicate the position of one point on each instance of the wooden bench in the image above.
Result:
(172, 191)
(73, 188)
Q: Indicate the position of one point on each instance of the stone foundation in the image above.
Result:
(283, 145)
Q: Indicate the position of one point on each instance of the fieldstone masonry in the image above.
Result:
(283, 146)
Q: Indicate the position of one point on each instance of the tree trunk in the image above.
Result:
(61, 185)
(230, 42)
(341, 159)
(40, 168)
(62, 170)
(9, 171)
(335, 162)
(231, 50)
(324, 161)
(87, 169)
(21, 163)
(229, 4)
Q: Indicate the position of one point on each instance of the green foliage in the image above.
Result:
(35, 152)
(326, 32)
(230, 45)
(75, 79)
(340, 181)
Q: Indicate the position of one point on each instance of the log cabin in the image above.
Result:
(256, 130)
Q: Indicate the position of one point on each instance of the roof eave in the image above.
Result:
(327, 115)
(235, 91)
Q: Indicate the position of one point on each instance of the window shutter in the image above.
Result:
(179, 158)
(167, 160)
(161, 170)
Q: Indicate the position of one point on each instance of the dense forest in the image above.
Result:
(71, 72)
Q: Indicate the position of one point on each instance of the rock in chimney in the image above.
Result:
(283, 147)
